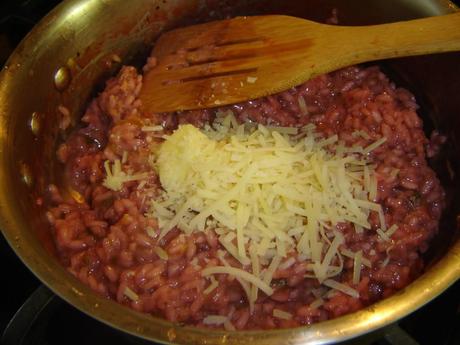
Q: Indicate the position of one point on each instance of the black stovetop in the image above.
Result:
(31, 314)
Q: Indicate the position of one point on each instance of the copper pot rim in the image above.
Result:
(47, 269)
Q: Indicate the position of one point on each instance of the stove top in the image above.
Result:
(31, 314)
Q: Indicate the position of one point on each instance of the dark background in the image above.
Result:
(17, 283)
(17, 17)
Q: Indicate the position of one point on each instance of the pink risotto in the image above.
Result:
(108, 237)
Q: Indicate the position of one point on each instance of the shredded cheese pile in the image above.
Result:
(116, 177)
(267, 192)
(273, 195)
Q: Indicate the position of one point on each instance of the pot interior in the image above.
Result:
(82, 40)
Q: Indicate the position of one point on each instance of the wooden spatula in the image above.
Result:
(244, 58)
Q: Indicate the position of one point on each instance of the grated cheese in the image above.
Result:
(288, 263)
(383, 235)
(256, 272)
(341, 287)
(374, 145)
(244, 284)
(151, 232)
(317, 303)
(331, 293)
(391, 230)
(280, 314)
(162, 254)
(348, 253)
(302, 105)
(357, 267)
(387, 259)
(124, 158)
(152, 128)
(276, 190)
(394, 172)
(362, 134)
(214, 284)
(274, 264)
(116, 177)
(215, 320)
(373, 184)
(141, 185)
(385, 262)
(230, 247)
(131, 294)
(236, 272)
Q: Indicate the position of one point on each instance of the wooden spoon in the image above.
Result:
(235, 60)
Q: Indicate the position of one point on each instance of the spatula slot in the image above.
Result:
(223, 43)
(240, 41)
(210, 76)
(219, 59)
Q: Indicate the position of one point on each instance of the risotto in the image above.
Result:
(273, 213)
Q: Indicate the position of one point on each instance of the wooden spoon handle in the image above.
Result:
(414, 37)
(278, 52)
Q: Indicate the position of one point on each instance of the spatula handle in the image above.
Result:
(415, 37)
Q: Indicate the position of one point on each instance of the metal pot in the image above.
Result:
(68, 55)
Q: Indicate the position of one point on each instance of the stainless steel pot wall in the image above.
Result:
(65, 60)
